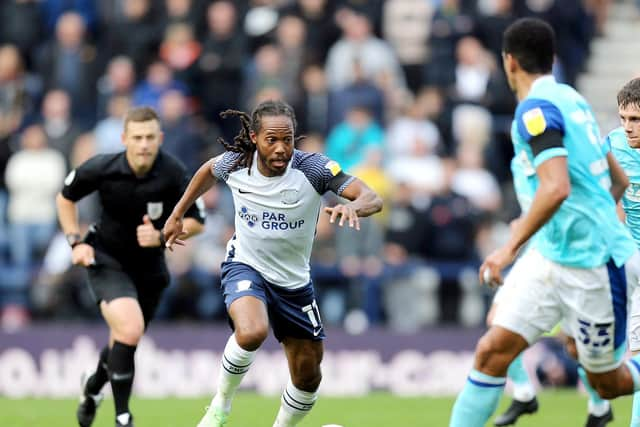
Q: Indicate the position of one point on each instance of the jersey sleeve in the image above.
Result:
(535, 117)
(323, 173)
(225, 164)
(84, 179)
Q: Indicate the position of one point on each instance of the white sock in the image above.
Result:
(294, 405)
(235, 364)
(523, 392)
(598, 409)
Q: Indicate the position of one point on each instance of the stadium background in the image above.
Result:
(407, 94)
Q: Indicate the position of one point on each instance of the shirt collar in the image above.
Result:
(125, 168)
(542, 80)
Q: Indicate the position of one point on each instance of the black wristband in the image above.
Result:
(74, 239)
(162, 240)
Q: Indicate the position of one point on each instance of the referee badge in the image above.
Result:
(154, 210)
(289, 197)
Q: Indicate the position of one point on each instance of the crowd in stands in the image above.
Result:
(407, 94)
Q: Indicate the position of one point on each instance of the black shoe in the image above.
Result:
(516, 409)
(86, 411)
(601, 421)
(128, 421)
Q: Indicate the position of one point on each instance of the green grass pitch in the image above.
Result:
(557, 409)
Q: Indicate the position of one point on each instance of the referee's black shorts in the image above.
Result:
(109, 279)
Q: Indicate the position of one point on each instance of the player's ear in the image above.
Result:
(253, 137)
(160, 138)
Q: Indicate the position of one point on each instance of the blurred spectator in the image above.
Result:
(361, 92)
(108, 131)
(472, 130)
(180, 136)
(136, 36)
(413, 142)
(349, 142)
(19, 91)
(21, 25)
(491, 22)
(450, 23)
(220, 67)
(33, 176)
(372, 9)
(57, 122)
(180, 50)
(159, 80)
(322, 31)
(260, 20)
(313, 110)
(290, 38)
(264, 71)
(70, 63)
(360, 252)
(54, 9)
(407, 25)
(472, 71)
(359, 44)
(119, 80)
(181, 12)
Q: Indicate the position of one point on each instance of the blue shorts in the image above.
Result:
(292, 312)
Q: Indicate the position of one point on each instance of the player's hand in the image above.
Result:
(173, 232)
(346, 213)
(83, 254)
(490, 272)
(148, 236)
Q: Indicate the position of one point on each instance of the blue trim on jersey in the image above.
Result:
(618, 286)
(552, 116)
(635, 364)
(485, 385)
(549, 153)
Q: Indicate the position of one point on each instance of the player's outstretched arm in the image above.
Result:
(176, 229)
(363, 202)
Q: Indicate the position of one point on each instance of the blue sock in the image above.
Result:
(477, 401)
(516, 371)
(633, 365)
(635, 411)
(597, 405)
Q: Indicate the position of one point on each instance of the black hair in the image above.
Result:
(531, 41)
(629, 95)
(242, 142)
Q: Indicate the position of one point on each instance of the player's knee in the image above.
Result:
(129, 334)
(251, 338)
(308, 380)
(607, 386)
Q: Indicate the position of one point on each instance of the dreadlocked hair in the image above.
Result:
(242, 142)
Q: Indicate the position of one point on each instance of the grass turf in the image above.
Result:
(557, 409)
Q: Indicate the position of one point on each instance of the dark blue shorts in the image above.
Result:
(292, 312)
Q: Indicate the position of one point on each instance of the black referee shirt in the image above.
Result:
(126, 198)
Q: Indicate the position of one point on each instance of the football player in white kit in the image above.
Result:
(277, 197)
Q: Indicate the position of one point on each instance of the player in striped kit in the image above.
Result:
(277, 197)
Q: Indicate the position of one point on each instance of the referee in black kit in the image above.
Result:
(124, 252)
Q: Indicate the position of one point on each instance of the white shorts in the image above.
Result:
(592, 303)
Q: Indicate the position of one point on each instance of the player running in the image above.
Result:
(575, 272)
(277, 195)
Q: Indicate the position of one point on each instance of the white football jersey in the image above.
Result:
(276, 217)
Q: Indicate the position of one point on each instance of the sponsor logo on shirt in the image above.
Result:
(249, 217)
